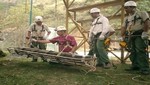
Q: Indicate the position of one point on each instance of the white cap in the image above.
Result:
(94, 10)
(130, 3)
(38, 18)
(60, 28)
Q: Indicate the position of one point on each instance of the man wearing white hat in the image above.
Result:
(37, 31)
(135, 30)
(97, 36)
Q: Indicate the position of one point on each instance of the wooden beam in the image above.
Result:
(122, 20)
(71, 3)
(99, 5)
(87, 20)
(66, 2)
(109, 17)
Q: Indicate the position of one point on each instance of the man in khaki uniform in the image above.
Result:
(135, 31)
(97, 36)
(37, 31)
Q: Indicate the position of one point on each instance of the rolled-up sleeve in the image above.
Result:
(72, 41)
(54, 40)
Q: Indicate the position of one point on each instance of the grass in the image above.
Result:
(20, 71)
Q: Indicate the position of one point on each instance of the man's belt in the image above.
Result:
(37, 37)
(138, 32)
(97, 35)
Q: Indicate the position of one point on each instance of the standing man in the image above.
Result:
(135, 29)
(100, 26)
(67, 43)
(37, 31)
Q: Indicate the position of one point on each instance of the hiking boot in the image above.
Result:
(34, 60)
(44, 60)
(53, 62)
(132, 69)
(107, 65)
(99, 65)
(144, 72)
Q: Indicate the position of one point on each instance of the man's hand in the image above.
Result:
(101, 37)
(45, 37)
(34, 40)
(89, 40)
(121, 39)
(144, 35)
(27, 37)
(72, 53)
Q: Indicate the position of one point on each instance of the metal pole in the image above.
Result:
(31, 3)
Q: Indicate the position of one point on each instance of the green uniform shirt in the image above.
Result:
(136, 21)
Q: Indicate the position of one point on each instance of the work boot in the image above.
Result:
(132, 69)
(99, 65)
(34, 60)
(53, 62)
(107, 65)
(44, 60)
(144, 72)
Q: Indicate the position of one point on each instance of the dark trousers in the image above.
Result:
(41, 46)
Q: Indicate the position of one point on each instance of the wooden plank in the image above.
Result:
(109, 17)
(98, 5)
(88, 20)
(87, 61)
(53, 54)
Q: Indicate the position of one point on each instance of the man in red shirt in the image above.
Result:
(66, 42)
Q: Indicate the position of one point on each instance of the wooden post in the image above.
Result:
(67, 18)
(75, 16)
(122, 20)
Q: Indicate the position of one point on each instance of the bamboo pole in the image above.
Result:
(122, 19)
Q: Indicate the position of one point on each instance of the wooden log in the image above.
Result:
(49, 52)
(64, 58)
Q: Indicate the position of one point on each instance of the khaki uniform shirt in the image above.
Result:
(38, 31)
(100, 24)
(139, 23)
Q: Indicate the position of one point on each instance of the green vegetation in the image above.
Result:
(20, 71)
